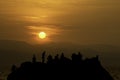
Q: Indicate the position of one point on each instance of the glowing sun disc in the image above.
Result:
(42, 35)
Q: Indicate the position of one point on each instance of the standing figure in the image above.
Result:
(43, 57)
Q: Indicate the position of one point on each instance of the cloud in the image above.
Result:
(77, 21)
(49, 29)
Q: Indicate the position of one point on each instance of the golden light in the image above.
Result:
(42, 35)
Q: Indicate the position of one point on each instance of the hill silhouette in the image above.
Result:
(60, 67)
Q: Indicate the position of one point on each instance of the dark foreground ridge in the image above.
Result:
(62, 68)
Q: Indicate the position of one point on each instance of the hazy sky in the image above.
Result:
(74, 21)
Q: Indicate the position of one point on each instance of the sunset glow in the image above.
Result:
(42, 35)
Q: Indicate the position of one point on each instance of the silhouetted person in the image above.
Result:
(64, 60)
(49, 59)
(90, 69)
(34, 59)
(56, 59)
(73, 58)
(62, 56)
(43, 57)
(76, 58)
(80, 57)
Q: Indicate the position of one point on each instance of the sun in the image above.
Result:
(42, 35)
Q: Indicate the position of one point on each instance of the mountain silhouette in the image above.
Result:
(60, 67)
(15, 52)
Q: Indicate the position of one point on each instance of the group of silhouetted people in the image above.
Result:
(60, 67)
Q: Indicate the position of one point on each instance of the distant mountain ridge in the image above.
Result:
(12, 52)
(11, 44)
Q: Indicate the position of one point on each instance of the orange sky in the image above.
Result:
(74, 21)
